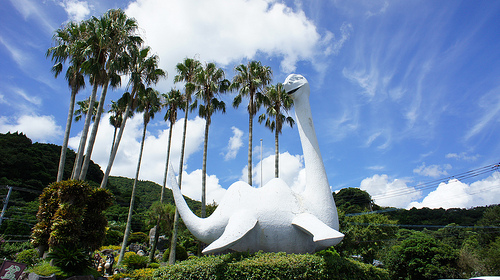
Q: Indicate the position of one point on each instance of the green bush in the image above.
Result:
(153, 265)
(69, 260)
(138, 237)
(134, 261)
(180, 254)
(325, 265)
(29, 257)
(113, 237)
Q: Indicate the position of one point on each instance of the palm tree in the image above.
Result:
(147, 102)
(209, 82)
(186, 73)
(173, 102)
(83, 109)
(67, 48)
(250, 80)
(110, 36)
(144, 71)
(277, 102)
(116, 115)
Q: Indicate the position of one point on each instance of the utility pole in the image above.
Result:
(6, 201)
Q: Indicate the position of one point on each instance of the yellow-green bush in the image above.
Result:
(260, 265)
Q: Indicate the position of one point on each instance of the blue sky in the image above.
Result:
(403, 93)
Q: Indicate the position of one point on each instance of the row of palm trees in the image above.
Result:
(104, 49)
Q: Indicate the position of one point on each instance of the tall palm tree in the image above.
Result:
(116, 115)
(277, 102)
(250, 80)
(68, 48)
(111, 36)
(210, 82)
(173, 102)
(186, 73)
(148, 102)
(144, 71)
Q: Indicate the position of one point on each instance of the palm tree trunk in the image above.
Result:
(157, 231)
(204, 172)
(64, 148)
(277, 154)
(250, 124)
(78, 161)
(114, 149)
(93, 134)
(132, 199)
(173, 243)
(114, 139)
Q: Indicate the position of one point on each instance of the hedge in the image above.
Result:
(324, 265)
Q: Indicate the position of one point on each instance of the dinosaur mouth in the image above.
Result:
(293, 90)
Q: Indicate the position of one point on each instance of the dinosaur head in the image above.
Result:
(296, 84)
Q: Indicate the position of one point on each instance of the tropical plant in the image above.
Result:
(186, 73)
(144, 71)
(148, 102)
(250, 81)
(83, 109)
(173, 100)
(210, 81)
(68, 40)
(116, 115)
(276, 102)
(110, 37)
(70, 260)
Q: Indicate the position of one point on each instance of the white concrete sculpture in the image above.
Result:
(273, 218)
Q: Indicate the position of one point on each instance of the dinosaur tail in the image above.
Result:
(202, 229)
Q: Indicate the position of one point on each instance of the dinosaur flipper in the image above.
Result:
(321, 233)
(237, 227)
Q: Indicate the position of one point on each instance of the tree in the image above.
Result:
(173, 102)
(210, 82)
(144, 71)
(277, 102)
(353, 200)
(250, 80)
(366, 235)
(116, 115)
(111, 36)
(421, 256)
(83, 109)
(186, 73)
(68, 39)
(148, 103)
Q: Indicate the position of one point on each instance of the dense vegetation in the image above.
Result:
(410, 244)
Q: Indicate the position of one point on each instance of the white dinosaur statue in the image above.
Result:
(273, 218)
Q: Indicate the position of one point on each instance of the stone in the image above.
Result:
(273, 218)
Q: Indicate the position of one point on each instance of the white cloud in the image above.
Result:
(227, 31)
(191, 187)
(389, 193)
(155, 147)
(456, 194)
(462, 156)
(37, 128)
(434, 171)
(31, 9)
(291, 170)
(77, 10)
(234, 144)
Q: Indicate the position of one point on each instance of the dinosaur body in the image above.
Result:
(273, 218)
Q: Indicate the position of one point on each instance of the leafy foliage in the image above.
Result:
(420, 256)
(134, 261)
(70, 260)
(267, 266)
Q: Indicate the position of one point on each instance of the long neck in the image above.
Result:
(316, 181)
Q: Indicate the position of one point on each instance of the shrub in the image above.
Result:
(72, 261)
(180, 254)
(113, 237)
(134, 261)
(326, 265)
(29, 257)
(153, 265)
(138, 237)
